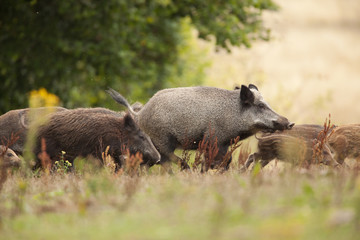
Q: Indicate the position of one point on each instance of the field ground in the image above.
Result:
(278, 202)
(290, 203)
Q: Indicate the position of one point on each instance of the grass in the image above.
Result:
(319, 203)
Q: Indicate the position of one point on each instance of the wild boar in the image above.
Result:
(8, 158)
(345, 142)
(16, 122)
(173, 117)
(78, 133)
(282, 146)
(295, 145)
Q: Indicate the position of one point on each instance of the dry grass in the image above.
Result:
(297, 204)
(321, 140)
(100, 201)
(206, 152)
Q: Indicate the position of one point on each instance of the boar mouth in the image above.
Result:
(264, 128)
(277, 127)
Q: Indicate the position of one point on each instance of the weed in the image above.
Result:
(9, 142)
(131, 163)
(108, 161)
(62, 166)
(321, 140)
(44, 158)
(206, 152)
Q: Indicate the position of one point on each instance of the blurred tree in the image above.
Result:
(76, 49)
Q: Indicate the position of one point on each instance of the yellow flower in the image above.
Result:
(42, 98)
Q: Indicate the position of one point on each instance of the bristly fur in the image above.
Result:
(80, 132)
(174, 116)
(16, 122)
(345, 142)
(294, 145)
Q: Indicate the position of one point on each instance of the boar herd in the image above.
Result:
(171, 119)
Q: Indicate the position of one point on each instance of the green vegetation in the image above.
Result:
(319, 203)
(76, 49)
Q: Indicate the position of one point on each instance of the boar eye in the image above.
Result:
(9, 154)
(262, 106)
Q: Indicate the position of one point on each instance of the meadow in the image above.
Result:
(279, 202)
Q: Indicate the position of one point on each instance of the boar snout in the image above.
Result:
(282, 124)
(152, 158)
(290, 125)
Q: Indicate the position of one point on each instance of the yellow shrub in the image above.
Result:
(42, 98)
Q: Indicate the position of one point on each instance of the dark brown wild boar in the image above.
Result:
(345, 142)
(78, 133)
(16, 122)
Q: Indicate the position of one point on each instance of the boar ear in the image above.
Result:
(129, 122)
(246, 95)
(253, 86)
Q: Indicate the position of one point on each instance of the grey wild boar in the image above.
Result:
(16, 122)
(174, 117)
(8, 158)
(296, 150)
(345, 142)
(79, 132)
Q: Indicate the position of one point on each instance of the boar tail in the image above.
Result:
(121, 100)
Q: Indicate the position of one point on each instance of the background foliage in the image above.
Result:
(76, 49)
